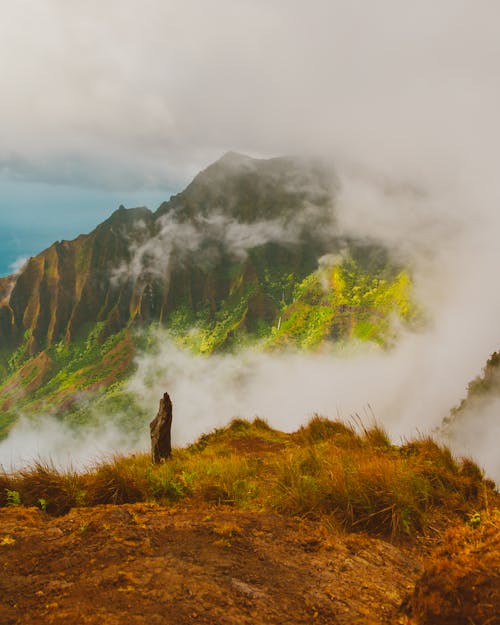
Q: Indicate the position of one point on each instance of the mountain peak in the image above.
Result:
(234, 157)
(250, 189)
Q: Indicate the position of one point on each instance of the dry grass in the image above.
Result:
(46, 486)
(121, 480)
(353, 475)
(461, 582)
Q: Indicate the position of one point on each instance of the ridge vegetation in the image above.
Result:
(357, 479)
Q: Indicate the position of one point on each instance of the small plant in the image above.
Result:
(7, 540)
(13, 497)
(474, 520)
(43, 504)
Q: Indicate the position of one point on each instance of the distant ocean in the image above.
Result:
(32, 217)
(18, 244)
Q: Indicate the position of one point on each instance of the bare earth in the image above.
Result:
(144, 563)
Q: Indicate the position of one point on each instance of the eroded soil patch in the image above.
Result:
(150, 564)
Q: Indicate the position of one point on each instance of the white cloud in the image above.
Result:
(18, 264)
(155, 90)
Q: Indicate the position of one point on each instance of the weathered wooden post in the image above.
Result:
(160, 429)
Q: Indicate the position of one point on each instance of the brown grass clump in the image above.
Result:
(367, 484)
(121, 480)
(364, 491)
(226, 479)
(321, 429)
(47, 487)
(5, 487)
(461, 583)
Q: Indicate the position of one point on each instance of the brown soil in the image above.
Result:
(150, 564)
(461, 581)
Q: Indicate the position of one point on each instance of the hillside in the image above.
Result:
(252, 525)
(247, 254)
(474, 423)
(484, 388)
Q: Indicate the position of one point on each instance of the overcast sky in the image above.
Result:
(114, 101)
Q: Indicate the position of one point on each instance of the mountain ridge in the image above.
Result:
(94, 256)
(231, 260)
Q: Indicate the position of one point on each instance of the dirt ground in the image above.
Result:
(144, 563)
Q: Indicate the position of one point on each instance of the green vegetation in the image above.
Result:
(357, 479)
(57, 381)
(341, 302)
(272, 308)
(346, 301)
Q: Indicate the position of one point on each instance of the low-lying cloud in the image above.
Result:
(202, 240)
(47, 439)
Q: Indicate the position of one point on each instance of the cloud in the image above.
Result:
(400, 388)
(48, 439)
(157, 90)
(474, 431)
(200, 241)
(18, 264)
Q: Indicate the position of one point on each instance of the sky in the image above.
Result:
(107, 103)
(102, 107)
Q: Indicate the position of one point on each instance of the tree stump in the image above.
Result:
(160, 427)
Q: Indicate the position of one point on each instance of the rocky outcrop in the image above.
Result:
(160, 429)
(195, 251)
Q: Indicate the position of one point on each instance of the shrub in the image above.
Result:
(321, 429)
(5, 486)
(121, 480)
(61, 490)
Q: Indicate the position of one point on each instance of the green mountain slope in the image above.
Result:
(248, 254)
(483, 390)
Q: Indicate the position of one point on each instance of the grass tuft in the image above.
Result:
(355, 476)
(6, 485)
(59, 490)
(121, 480)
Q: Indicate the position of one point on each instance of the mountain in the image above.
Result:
(249, 251)
(73, 284)
(483, 394)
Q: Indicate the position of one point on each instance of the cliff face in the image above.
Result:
(66, 287)
(140, 266)
(483, 389)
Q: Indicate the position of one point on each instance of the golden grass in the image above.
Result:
(461, 581)
(46, 486)
(353, 475)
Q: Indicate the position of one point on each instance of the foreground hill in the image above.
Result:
(248, 253)
(252, 525)
(168, 566)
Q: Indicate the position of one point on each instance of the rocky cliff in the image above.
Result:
(249, 251)
(139, 266)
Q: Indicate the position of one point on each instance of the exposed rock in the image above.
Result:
(160, 427)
